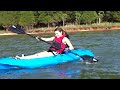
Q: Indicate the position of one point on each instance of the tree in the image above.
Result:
(100, 16)
(26, 19)
(116, 16)
(78, 15)
(8, 18)
(62, 16)
(88, 17)
(107, 17)
(46, 17)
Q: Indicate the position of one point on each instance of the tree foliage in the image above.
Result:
(116, 16)
(88, 17)
(26, 18)
(52, 18)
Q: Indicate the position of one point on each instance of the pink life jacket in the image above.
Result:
(58, 45)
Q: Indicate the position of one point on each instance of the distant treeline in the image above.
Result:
(37, 19)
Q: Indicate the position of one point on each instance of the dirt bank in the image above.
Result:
(80, 29)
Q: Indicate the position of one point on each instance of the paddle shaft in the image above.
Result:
(30, 35)
(39, 38)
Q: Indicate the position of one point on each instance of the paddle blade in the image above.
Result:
(17, 29)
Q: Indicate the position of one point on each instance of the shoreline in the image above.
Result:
(69, 30)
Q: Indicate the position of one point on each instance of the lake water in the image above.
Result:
(104, 44)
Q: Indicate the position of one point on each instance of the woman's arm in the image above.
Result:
(47, 39)
(67, 41)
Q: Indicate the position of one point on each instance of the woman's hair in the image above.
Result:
(63, 32)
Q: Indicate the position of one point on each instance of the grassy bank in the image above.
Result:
(75, 28)
(72, 28)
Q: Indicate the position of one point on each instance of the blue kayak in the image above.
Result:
(13, 62)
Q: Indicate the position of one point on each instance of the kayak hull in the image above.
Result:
(44, 61)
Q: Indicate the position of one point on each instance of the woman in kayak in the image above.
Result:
(60, 44)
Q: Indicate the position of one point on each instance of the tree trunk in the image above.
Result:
(99, 20)
(6, 28)
(76, 21)
(53, 24)
(63, 22)
(48, 25)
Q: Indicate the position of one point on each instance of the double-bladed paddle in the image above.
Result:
(19, 30)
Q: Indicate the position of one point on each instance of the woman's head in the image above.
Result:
(59, 32)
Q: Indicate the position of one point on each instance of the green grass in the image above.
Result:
(72, 26)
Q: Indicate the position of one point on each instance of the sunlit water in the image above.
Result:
(104, 44)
